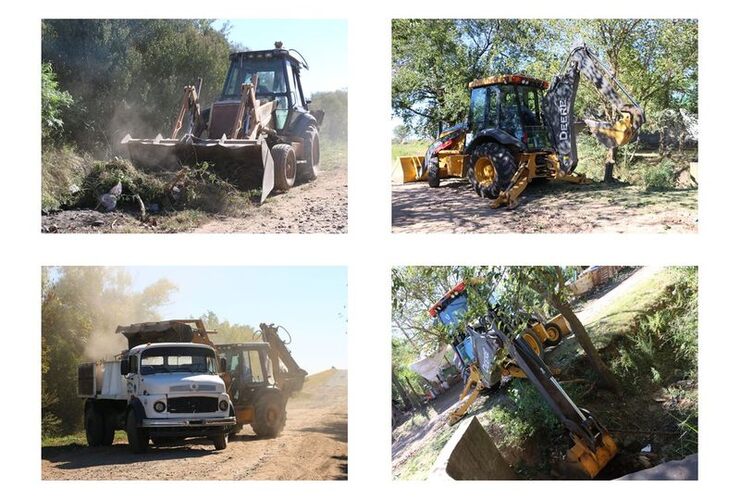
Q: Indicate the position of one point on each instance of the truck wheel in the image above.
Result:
(137, 437)
(269, 418)
(94, 426)
(220, 441)
(531, 338)
(433, 172)
(312, 153)
(554, 334)
(283, 156)
(490, 169)
(109, 429)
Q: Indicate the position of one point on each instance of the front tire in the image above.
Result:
(312, 154)
(270, 415)
(554, 334)
(283, 157)
(433, 172)
(491, 169)
(220, 441)
(138, 441)
(531, 338)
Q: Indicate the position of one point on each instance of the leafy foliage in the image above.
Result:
(334, 105)
(125, 75)
(54, 102)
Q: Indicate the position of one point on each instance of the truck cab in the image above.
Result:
(159, 392)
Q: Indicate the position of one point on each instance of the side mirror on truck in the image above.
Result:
(124, 367)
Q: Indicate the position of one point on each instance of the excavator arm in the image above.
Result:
(288, 374)
(593, 446)
(559, 100)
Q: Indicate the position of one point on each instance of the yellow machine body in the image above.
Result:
(581, 458)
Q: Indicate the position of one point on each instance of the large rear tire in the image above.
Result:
(531, 338)
(138, 440)
(109, 429)
(269, 415)
(491, 168)
(94, 426)
(283, 156)
(433, 172)
(312, 153)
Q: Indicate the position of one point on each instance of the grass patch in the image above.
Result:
(333, 155)
(413, 148)
(77, 439)
(418, 466)
(63, 173)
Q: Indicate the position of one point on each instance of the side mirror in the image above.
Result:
(222, 364)
(124, 367)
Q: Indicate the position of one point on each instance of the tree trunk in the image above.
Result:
(611, 155)
(584, 340)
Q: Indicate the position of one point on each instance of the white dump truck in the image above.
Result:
(158, 391)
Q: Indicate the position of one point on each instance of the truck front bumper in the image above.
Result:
(158, 423)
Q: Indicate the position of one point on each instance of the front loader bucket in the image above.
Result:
(247, 164)
(412, 168)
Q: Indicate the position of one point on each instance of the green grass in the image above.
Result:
(418, 466)
(77, 439)
(333, 155)
(414, 148)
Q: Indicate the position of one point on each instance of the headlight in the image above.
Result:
(159, 406)
(223, 405)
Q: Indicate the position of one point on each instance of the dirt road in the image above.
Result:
(553, 207)
(313, 446)
(315, 207)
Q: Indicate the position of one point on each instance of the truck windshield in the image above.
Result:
(178, 359)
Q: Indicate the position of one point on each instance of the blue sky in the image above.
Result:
(323, 42)
(311, 302)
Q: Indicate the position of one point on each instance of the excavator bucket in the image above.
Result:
(412, 167)
(583, 460)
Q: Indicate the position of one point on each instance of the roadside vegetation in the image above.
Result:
(647, 338)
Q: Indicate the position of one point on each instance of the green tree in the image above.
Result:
(228, 333)
(127, 75)
(54, 101)
(334, 106)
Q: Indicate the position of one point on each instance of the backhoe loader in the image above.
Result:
(521, 128)
(259, 377)
(258, 134)
(490, 348)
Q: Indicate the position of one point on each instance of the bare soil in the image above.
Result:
(315, 207)
(313, 446)
(548, 207)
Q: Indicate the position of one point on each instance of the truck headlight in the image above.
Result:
(159, 406)
(223, 405)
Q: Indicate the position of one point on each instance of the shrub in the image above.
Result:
(660, 177)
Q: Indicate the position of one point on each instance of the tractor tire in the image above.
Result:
(554, 334)
(283, 156)
(490, 169)
(312, 153)
(138, 441)
(269, 415)
(94, 426)
(531, 338)
(109, 429)
(220, 441)
(433, 172)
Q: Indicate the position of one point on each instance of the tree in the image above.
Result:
(549, 283)
(54, 101)
(127, 75)
(334, 105)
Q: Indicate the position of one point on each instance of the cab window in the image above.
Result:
(478, 108)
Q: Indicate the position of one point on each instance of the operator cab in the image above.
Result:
(511, 103)
(278, 79)
(248, 367)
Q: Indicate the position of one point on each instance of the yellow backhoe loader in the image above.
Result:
(521, 128)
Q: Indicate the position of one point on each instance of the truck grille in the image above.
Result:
(192, 405)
